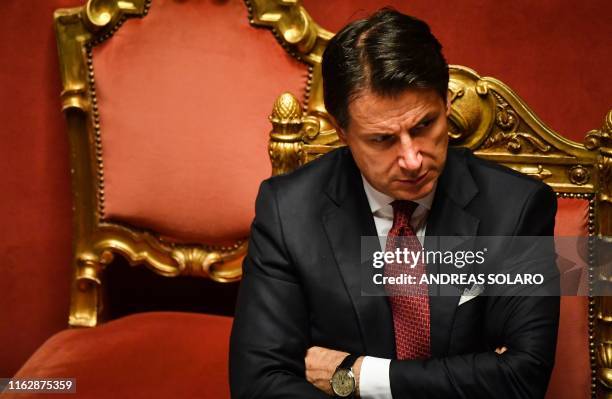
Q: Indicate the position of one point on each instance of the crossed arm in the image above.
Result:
(321, 363)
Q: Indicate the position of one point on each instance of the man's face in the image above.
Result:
(399, 143)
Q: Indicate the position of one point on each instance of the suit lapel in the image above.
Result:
(448, 217)
(347, 219)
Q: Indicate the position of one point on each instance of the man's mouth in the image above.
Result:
(416, 181)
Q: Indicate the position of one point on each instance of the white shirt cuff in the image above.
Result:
(374, 380)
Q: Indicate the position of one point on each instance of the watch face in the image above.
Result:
(343, 383)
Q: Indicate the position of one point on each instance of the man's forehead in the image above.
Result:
(367, 108)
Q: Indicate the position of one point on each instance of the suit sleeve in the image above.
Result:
(270, 334)
(526, 325)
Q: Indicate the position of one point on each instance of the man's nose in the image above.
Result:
(410, 157)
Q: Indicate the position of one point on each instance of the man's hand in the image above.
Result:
(501, 350)
(321, 363)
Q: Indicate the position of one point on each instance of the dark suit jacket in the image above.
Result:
(301, 286)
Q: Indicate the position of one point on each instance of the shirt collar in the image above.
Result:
(378, 200)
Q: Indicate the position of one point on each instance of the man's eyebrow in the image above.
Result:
(375, 130)
(430, 115)
(379, 132)
(433, 114)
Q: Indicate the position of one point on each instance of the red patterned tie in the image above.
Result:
(409, 302)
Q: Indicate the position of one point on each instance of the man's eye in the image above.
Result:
(381, 138)
(423, 124)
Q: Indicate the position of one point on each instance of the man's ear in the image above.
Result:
(448, 104)
(341, 135)
(339, 131)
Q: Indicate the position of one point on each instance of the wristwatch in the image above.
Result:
(343, 381)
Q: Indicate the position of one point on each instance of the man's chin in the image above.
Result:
(410, 192)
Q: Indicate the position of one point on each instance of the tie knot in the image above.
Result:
(402, 212)
(405, 207)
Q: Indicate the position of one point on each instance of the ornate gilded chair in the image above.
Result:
(168, 129)
(164, 119)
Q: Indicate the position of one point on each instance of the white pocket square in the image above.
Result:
(469, 294)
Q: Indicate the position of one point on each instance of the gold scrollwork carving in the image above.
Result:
(456, 93)
(319, 129)
(292, 24)
(602, 137)
(169, 259)
(602, 140)
(104, 14)
(311, 126)
(489, 118)
(459, 125)
(470, 115)
(603, 315)
(482, 88)
(505, 117)
(604, 356)
(604, 164)
(508, 121)
(514, 142)
(604, 309)
(75, 28)
(193, 261)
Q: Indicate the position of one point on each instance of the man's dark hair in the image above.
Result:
(386, 53)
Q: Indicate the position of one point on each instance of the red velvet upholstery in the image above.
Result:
(148, 355)
(184, 97)
(571, 376)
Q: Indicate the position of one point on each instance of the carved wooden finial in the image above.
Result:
(286, 111)
(285, 148)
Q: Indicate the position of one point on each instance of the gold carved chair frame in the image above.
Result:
(486, 116)
(97, 239)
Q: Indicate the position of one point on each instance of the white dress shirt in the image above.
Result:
(374, 382)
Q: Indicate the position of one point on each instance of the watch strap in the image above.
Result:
(348, 361)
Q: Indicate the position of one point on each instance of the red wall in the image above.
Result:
(554, 55)
(35, 238)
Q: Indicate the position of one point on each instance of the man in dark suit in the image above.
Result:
(304, 328)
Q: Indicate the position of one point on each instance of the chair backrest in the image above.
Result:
(490, 119)
(166, 103)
